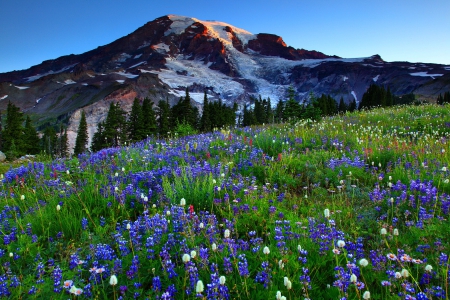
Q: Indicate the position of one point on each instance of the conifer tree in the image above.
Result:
(352, 106)
(115, 130)
(440, 100)
(292, 109)
(99, 139)
(149, 118)
(49, 141)
(163, 113)
(82, 136)
(31, 138)
(279, 111)
(342, 106)
(269, 111)
(13, 132)
(136, 130)
(63, 142)
(205, 121)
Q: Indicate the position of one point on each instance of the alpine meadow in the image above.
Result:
(351, 206)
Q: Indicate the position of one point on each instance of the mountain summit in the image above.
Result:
(171, 53)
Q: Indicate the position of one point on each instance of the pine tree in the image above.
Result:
(440, 100)
(63, 142)
(279, 111)
(149, 118)
(446, 97)
(115, 130)
(82, 136)
(352, 106)
(49, 141)
(136, 130)
(269, 111)
(205, 121)
(389, 98)
(99, 139)
(342, 106)
(164, 117)
(31, 138)
(13, 132)
(292, 109)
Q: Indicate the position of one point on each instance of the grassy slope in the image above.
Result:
(118, 212)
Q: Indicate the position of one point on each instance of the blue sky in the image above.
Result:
(398, 30)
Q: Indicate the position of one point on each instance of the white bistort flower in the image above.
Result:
(366, 295)
(340, 244)
(186, 258)
(199, 287)
(113, 280)
(363, 262)
(266, 250)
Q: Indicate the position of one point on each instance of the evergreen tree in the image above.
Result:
(82, 136)
(389, 97)
(115, 130)
(31, 138)
(352, 106)
(269, 111)
(446, 98)
(249, 117)
(13, 132)
(136, 130)
(149, 118)
(205, 121)
(292, 109)
(342, 106)
(99, 139)
(49, 141)
(440, 100)
(164, 117)
(63, 142)
(279, 111)
(259, 111)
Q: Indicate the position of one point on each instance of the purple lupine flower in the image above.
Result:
(84, 223)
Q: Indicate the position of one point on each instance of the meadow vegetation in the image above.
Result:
(355, 206)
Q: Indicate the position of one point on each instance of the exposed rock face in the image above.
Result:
(273, 45)
(163, 57)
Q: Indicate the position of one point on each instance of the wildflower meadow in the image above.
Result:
(355, 206)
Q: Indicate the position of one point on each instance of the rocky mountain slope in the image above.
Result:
(163, 57)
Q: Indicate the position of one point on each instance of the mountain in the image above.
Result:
(163, 57)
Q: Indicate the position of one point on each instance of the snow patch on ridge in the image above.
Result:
(138, 64)
(161, 48)
(127, 75)
(179, 24)
(354, 96)
(22, 87)
(376, 78)
(3, 97)
(424, 74)
(37, 76)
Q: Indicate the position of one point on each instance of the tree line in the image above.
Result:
(18, 136)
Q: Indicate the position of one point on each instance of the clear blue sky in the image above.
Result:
(398, 30)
